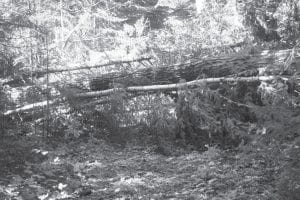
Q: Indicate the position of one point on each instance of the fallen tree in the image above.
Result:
(241, 65)
(175, 86)
(236, 68)
(143, 89)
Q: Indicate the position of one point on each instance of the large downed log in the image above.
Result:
(174, 86)
(242, 65)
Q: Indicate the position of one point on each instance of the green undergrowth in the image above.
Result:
(92, 169)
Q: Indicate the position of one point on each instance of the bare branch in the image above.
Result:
(116, 62)
(29, 107)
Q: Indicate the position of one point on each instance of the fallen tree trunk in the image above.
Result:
(242, 65)
(174, 86)
(149, 88)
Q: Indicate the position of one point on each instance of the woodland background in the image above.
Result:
(71, 127)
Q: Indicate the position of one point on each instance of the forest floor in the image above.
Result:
(93, 170)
